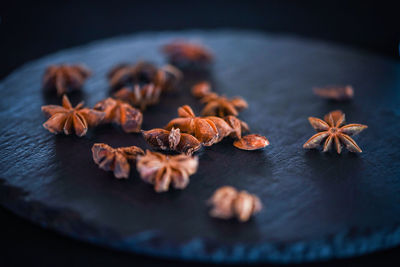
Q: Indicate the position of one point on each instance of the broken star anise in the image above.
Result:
(120, 113)
(203, 129)
(222, 106)
(338, 93)
(331, 131)
(147, 95)
(70, 119)
(251, 142)
(162, 170)
(179, 52)
(65, 78)
(115, 159)
(172, 140)
(228, 203)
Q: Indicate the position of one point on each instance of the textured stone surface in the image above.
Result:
(316, 206)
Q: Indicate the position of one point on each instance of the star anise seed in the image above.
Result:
(338, 93)
(70, 119)
(332, 131)
(221, 106)
(251, 142)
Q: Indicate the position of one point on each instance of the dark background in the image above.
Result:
(30, 30)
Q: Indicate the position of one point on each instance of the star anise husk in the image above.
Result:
(228, 203)
(204, 129)
(147, 95)
(162, 170)
(70, 119)
(115, 159)
(221, 106)
(251, 142)
(121, 113)
(238, 126)
(65, 78)
(201, 89)
(172, 140)
(332, 131)
(182, 52)
(338, 93)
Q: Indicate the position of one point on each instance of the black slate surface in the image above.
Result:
(317, 206)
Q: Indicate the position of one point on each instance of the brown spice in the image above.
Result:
(228, 203)
(201, 89)
(148, 95)
(221, 106)
(251, 142)
(65, 78)
(70, 120)
(162, 170)
(338, 93)
(172, 140)
(115, 159)
(331, 130)
(121, 113)
(238, 126)
(184, 52)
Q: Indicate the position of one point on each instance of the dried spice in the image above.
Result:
(228, 203)
(121, 113)
(221, 106)
(115, 159)
(169, 77)
(172, 140)
(338, 93)
(70, 119)
(203, 129)
(148, 95)
(162, 170)
(179, 52)
(65, 78)
(201, 89)
(238, 126)
(223, 127)
(251, 142)
(331, 130)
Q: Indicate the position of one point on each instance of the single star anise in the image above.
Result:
(162, 170)
(179, 52)
(221, 106)
(338, 93)
(251, 142)
(203, 129)
(331, 130)
(65, 78)
(115, 159)
(228, 203)
(70, 119)
(201, 89)
(172, 140)
(121, 113)
(148, 95)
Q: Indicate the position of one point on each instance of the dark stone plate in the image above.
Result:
(317, 206)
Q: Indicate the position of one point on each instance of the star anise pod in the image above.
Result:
(120, 113)
(115, 159)
(203, 129)
(228, 203)
(162, 170)
(238, 126)
(331, 131)
(172, 140)
(169, 77)
(222, 106)
(338, 93)
(148, 95)
(184, 52)
(65, 78)
(70, 119)
(201, 89)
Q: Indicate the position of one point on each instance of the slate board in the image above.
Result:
(316, 206)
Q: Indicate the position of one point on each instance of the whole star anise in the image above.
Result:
(172, 140)
(65, 78)
(162, 170)
(338, 93)
(179, 52)
(70, 119)
(147, 95)
(222, 106)
(227, 203)
(121, 113)
(115, 159)
(331, 131)
(203, 129)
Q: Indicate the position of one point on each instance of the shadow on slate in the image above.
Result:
(316, 205)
